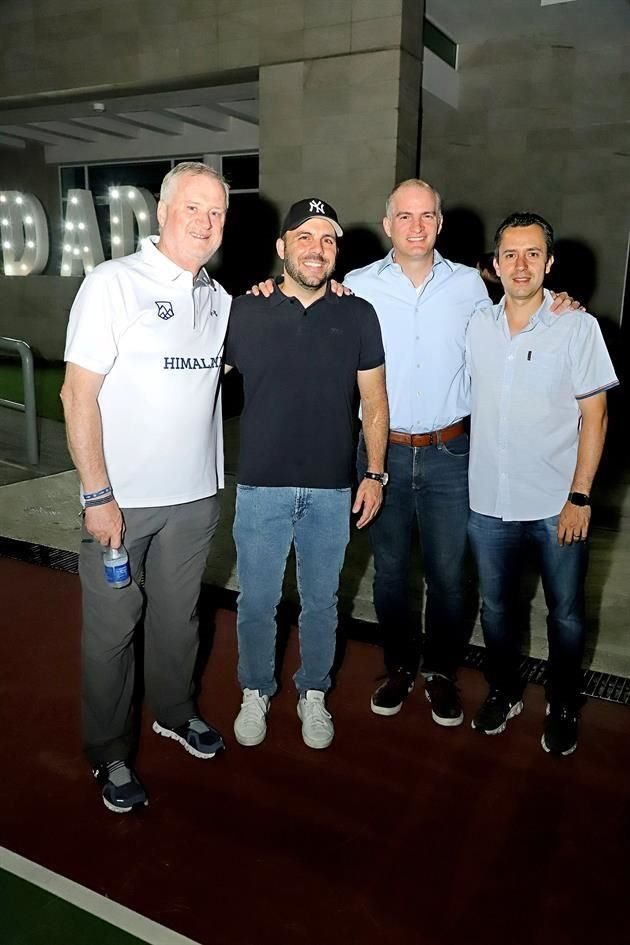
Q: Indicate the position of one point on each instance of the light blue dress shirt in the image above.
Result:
(424, 335)
(525, 413)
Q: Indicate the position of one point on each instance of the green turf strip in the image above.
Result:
(31, 916)
(48, 381)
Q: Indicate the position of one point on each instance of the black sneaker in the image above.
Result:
(390, 695)
(120, 789)
(493, 715)
(446, 709)
(196, 736)
(560, 734)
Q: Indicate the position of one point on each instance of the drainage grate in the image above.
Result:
(40, 554)
(603, 686)
(597, 685)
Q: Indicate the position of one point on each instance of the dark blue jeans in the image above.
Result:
(427, 485)
(498, 548)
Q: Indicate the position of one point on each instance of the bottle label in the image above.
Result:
(116, 573)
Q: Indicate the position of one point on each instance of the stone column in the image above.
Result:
(340, 93)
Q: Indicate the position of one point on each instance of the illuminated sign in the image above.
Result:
(24, 234)
(24, 229)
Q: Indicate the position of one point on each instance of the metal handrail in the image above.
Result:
(29, 407)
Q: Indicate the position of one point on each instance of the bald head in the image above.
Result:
(410, 185)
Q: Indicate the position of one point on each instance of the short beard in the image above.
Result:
(306, 282)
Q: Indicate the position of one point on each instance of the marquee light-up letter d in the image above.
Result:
(24, 233)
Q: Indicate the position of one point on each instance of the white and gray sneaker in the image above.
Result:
(317, 725)
(250, 725)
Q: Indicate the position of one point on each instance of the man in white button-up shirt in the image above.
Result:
(143, 413)
(538, 424)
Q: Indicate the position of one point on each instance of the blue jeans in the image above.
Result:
(427, 485)
(268, 521)
(498, 548)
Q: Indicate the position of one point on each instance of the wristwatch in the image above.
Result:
(383, 477)
(579, 498)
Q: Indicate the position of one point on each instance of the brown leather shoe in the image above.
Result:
(442, 693)
(389, 697)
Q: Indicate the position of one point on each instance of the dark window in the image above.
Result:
(103, 176)
(241, 171)
(440, 44)
(72, 178)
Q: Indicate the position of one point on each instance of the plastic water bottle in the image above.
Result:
(116, 563)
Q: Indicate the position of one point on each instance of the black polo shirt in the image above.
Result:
(299, 368)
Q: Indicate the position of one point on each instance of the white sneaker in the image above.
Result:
(250, 725)
(317, 726)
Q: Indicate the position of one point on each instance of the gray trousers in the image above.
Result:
(171, 544)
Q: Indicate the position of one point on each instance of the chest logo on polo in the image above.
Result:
(192, 364)
(165, 310)
(315, 206)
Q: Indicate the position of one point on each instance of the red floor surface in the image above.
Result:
(401, 832)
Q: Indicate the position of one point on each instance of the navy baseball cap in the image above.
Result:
(305, 210)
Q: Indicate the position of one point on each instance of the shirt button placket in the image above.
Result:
(503, 498)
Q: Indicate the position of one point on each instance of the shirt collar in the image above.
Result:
(169, 269)
(278, 296)
(389, 260)
(543, 314)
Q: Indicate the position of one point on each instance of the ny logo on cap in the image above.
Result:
(316, 206)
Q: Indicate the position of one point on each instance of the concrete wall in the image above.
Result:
(90, 45)
(35, 309)
(339, 97)
(544, 127)
(340, 87)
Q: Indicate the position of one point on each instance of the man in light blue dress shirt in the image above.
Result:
(538, 427)
(424, 303)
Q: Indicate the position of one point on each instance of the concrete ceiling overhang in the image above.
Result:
(218, 118)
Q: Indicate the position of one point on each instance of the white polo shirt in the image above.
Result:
(158, 339)
(525, 413)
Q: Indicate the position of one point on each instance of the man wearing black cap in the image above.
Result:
(301, 352)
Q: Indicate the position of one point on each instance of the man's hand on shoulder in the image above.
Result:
(266, 288)
(339, 289)
(105, 524)
(562, 302)
(573, 523)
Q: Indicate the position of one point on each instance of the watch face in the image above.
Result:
(383, 478)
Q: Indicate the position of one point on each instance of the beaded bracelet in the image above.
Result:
(97, 495)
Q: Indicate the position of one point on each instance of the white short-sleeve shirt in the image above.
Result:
(158, 339)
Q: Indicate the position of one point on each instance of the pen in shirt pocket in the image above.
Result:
(529, 355)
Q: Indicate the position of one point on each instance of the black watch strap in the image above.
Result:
(579, 498)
